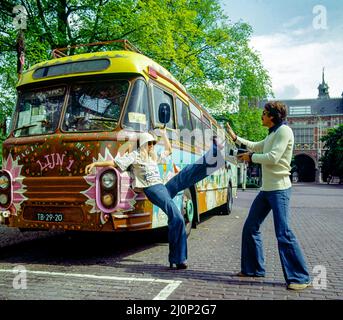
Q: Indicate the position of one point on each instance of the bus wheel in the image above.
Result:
(188, 210)
(229, 202)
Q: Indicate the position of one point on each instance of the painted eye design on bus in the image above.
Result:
(4, 182)
(128, 196)
(108, 180)
(19, 188)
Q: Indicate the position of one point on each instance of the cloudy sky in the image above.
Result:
(296, 39)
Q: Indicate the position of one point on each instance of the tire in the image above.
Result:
(227, 208)
(188, 210)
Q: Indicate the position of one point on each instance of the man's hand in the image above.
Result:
(245, 156)
(231, 132)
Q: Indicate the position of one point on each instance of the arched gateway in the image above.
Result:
(306, 167)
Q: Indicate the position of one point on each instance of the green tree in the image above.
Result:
(193, 39)
(246, 122)
(332, 160)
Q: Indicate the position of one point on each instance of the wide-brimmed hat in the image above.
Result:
(145, 137)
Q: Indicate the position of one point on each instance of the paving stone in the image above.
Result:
(214, 257)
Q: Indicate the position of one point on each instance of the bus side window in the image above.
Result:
(215, 130)
(198, 133)
(160, 96)
(208, 134)
(183, 116)
(137, 115)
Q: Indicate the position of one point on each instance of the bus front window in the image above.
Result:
(137, 114)
(38, 111)
(95, 106)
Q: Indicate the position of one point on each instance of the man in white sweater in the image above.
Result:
(274, 153)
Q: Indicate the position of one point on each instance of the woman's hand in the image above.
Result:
(167, 145)
(89, 168)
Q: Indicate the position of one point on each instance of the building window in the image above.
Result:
(303, 135)
(299, 110)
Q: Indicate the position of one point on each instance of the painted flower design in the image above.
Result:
(127, 195)
(17, 183)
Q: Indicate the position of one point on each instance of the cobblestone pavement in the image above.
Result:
(134, 266)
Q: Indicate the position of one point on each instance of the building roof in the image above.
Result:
(318, 106)
(308, 107)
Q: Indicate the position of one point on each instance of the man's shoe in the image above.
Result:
(298, 286)
(179, 266)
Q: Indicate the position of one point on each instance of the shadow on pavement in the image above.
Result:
(81, 248)
(229, 278)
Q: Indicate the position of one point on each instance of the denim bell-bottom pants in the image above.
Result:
(252, 260)
(162, 196)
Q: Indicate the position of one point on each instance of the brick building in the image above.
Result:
(310, 119)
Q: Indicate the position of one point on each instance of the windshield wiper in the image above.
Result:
(27, 126)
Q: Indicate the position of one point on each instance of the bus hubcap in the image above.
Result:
(189, 210)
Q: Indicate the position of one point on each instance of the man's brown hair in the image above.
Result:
(277, 110)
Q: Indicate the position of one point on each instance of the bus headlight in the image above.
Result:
(4, 182)
(108, 200)
(108, 180)
(108, 190)
(3, 199)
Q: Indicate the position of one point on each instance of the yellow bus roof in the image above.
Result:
(120, 62)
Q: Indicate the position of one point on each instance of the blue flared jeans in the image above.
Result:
(162, 196)
(252, 260)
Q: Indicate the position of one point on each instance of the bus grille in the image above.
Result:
(51, 190)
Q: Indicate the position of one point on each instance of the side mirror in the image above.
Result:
(164, 113)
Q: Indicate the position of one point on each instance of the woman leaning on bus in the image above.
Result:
(143, 163)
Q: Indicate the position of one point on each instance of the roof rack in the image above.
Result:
(125, 44)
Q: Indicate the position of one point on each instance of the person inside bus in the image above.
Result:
(143, 165)
(274, 153)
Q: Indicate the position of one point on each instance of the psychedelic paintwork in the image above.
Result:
(46, 163)
(127, 195)
(19, 188)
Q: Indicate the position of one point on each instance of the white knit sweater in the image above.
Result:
(274, 153)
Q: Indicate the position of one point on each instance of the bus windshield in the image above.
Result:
(95, 106)
(38, 111)
(90, 107)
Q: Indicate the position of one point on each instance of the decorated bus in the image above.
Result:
(77, 109)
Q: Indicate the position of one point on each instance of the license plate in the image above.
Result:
(50, 217)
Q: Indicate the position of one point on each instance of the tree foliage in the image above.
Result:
(246, 122)
(332, 160)
(193, 39)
